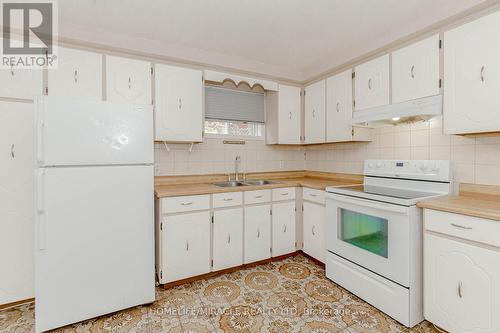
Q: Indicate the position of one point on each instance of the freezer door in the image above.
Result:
(78, 132)
(94, 242)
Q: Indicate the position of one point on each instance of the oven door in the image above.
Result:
(372, 234)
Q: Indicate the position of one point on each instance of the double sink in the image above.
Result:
(238, 183)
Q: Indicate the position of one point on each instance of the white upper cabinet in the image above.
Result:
(178, 104)
(472, 77)
(415, 70)
(20, 83)
(339, 107)
(78, 75)
(371, 87)
(283, 124)
(128, 80)
(315, 113)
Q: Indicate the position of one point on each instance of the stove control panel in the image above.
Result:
(433, 170)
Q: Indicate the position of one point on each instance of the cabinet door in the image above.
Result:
(462, 286)
(415, 70)
(371, 83)
(128, 80)
(315, 113)
(472, 77)
(78, 75)
(283, 220)
(20, 83)
(16, 198)
(257, 233)
(178, 104)
(339, 107)
(313, 233)
(185, 246)
(289, 116)
(228, 238)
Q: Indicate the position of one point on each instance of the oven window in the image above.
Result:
(364, 231)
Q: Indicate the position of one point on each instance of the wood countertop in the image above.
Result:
(473, 200)
(171, 186)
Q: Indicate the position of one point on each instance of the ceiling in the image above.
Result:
(292, 39)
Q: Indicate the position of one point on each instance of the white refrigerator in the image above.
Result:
(94, 212)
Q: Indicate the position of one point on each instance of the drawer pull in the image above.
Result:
(313, 230)
(284, 227)
(187, 246)
(460, 294)
(228, 199)
(258, 197)
(229, 238)
(460, 226)
(187, 203)
(284, 193)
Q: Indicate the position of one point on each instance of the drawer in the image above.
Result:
(185, 204)
(228, 199)
(254, 197)
(467, 227)
(287, 193)
(314, 195)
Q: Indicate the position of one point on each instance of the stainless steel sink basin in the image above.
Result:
(259, 182)
(230, 184)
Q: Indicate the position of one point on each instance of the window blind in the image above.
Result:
(228, 104)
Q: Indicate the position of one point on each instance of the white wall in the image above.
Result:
(474, 159)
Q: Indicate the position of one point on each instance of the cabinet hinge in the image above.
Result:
(161, 274)
(352, 132)
(440, 43)
(302, 207)
(440, 83)
(161, 225)
(304, 92)
(270, 212)
(47, 90)
(212, 219)
(212, 263)
(152, 71)
(353, 75)
(295, 244)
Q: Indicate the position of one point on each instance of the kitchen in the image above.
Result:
(173, 171)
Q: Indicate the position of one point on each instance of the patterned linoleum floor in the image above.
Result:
(292, 295)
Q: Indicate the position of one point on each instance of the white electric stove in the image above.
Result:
(374, 233)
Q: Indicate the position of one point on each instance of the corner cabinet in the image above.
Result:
(128, 80)
(461, 272)
(371, 83)
(178, 104)
(284, 117)
(78, 75)
(315, 113)
(415, 70)
(472, 77)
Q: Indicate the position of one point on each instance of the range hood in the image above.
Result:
(416, 110)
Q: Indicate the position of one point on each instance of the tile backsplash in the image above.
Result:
(475, 159)
(213, 156)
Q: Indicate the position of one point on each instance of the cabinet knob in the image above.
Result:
(290, 115)
(313, 230)
(314, 113)
(180, 103)
(482, 74)
(370, 84)
(337, 107)
(187, 246)
(459, 289)
(412, 71)
(284, 227)
(13, 151)
(75, 76)
(258, 233)
(130, 83)
(228, 238)
(12, 70)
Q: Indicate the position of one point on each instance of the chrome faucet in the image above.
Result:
(237, 161)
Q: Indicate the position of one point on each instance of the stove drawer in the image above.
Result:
(467, 227)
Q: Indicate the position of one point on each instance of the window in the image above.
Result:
(234, 113)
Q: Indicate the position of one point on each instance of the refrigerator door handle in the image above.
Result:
(39, 131)
(40, 197)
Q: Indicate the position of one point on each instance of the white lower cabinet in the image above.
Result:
(461, 279)
(185, 246)
(283, 231)
(227, 238)
(257, 233)
(313, 230)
